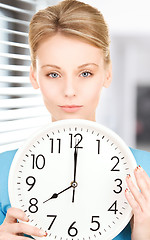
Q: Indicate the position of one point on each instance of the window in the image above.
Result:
(21, 107)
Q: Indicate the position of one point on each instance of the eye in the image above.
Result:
(53, 75)
(86, 74)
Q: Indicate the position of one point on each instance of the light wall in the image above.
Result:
(131, 68)
(125, 17)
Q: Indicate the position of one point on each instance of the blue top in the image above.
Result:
(142, 158)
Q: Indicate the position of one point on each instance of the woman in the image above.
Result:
(71, 64)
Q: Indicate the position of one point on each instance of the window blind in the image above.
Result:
(22, 110)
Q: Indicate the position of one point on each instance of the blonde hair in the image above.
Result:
(73, 18)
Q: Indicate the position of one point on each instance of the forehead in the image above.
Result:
(68, 49)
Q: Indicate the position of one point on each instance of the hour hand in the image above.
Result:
(55, 195)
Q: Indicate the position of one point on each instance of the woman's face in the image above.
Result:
(70, 74)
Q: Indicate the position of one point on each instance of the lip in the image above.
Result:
(70, 108)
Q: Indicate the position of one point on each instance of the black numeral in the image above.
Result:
(118, 185)
(77, 136)
(52, 144)
(54, 217)
(33, 208)
(72, 231)
(38, 162)
(97, 224)
(117, 159)
(31, 182)
(98, 141)
(113, 207)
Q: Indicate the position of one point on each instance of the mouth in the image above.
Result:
(71, 108)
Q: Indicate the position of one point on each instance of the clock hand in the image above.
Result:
(73, 184)
(55, 195)
(75, 163)
(75, 168)
(73, 195)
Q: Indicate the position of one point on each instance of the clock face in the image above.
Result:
(69, 179)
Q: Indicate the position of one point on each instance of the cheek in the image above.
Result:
(93, 93)
(49, 92)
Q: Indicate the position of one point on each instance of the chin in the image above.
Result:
(69, 116)
(73, 116)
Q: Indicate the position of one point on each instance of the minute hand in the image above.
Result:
(75, 163)
(75, 168)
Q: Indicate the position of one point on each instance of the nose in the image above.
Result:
(69, 88)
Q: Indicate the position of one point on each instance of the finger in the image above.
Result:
(13, 214)
(137, 195)
(13, 237)
(143, 182)
(17, 228)
(10, 236)
(147, 178)
(134, 205)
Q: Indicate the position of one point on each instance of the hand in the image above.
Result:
(140, 203)
(11, 229)
(55, 195)
(75, 168)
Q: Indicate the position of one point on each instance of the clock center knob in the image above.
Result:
(74, 184)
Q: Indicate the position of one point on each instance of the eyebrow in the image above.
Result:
(87, 64)
(50, 65)
(81, 66)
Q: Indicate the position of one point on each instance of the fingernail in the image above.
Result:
(126, 190)
(26, 219)
(128, 176)
(43, 233)
(138, 168)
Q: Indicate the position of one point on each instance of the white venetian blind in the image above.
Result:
(21, 107)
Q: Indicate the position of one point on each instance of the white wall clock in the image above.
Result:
(69, 179)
